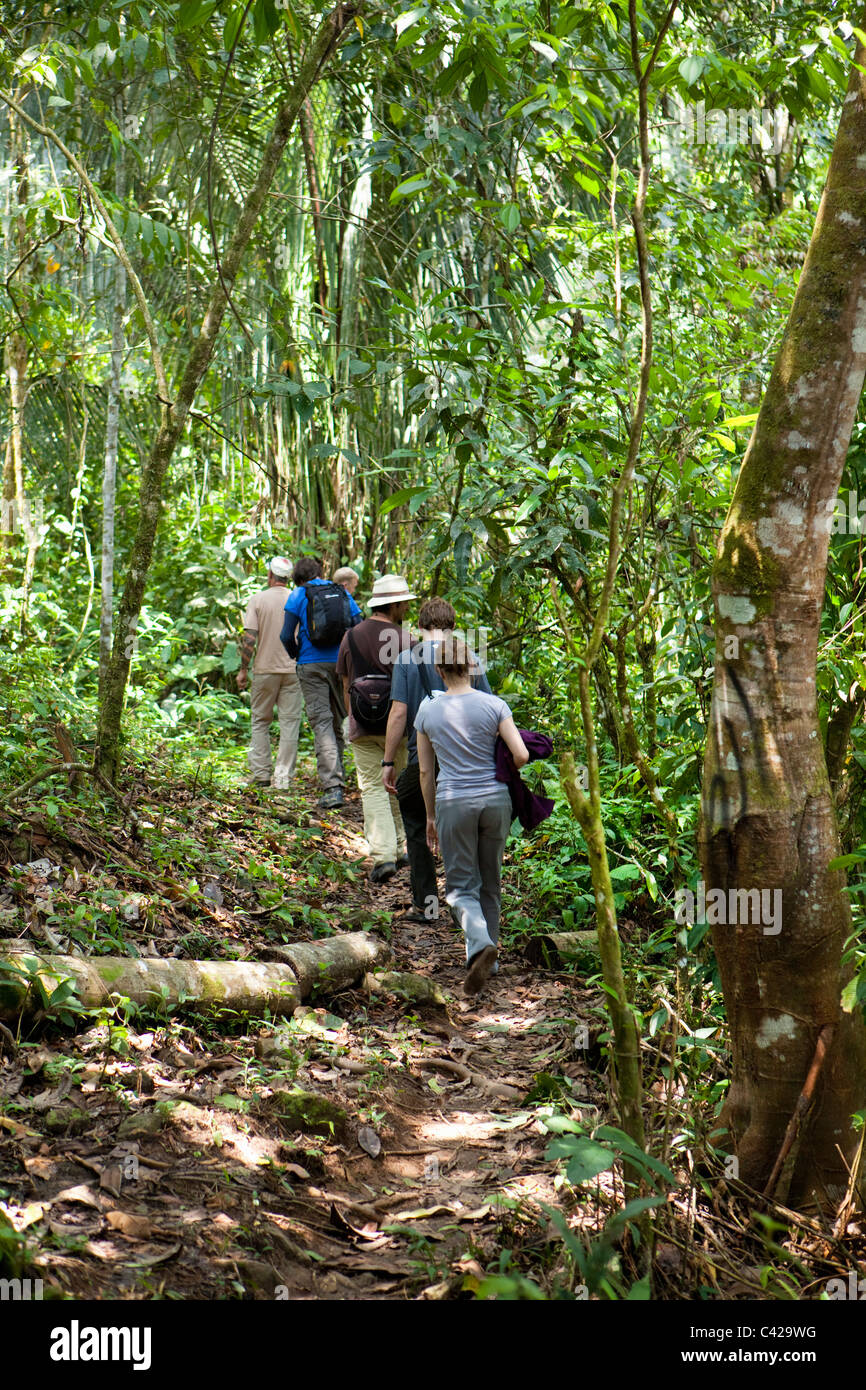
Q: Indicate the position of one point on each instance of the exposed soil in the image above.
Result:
(155, 1161)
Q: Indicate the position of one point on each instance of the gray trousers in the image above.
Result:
(472, 833)
(323, 697)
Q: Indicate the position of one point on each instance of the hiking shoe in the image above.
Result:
(417, 914)
(403, 861)
(479, 970)
(331, 799)
(380, 873)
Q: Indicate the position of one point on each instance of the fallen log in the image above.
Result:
(334, 961)
(417, 989)
(556, 949)
(246, 986)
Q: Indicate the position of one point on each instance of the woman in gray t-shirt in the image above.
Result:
(468, 810)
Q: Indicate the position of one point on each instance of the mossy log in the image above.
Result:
(246, 986)
(334, 962)
(562, 947)
(416, 989)
(309, 1112)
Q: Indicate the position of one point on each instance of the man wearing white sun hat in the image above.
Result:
(275, 685)
(365, 662)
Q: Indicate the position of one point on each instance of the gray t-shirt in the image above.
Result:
(408, 687)
(463, 730)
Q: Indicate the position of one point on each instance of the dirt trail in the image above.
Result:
(217, 1194)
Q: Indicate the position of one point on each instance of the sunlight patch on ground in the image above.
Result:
(463, 1127)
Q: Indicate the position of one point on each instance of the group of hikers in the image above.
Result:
(437, 754)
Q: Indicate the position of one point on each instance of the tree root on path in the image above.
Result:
(494, 1088)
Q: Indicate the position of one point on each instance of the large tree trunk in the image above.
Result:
(767, 810)
(320, 48)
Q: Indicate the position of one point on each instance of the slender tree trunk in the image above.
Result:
(352, 247)
(767, 811)
(306, 118)
(7, 507)
(321, 46)
(586, 802)
(18, 361)
(112, 431)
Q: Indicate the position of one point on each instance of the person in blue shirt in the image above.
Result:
(317, 673)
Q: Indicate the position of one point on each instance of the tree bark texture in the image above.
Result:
(767, 819)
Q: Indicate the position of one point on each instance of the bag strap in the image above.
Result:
(354, 650)
(424, 677)
(309, 597)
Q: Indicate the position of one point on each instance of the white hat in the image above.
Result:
(280, 567)
(391, 588)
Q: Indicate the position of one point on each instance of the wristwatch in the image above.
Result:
(384, 764)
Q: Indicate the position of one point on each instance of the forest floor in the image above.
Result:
(147, 1156)
(148, 1153)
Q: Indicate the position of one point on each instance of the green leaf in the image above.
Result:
(407, 19)
(639, 1291)
(586, 1159)
(231, 29)
(509, 216)
(408, 187)
(726, 442)
(691, 68)
(544, 49)
(847, 861)
(849, 995)
(462, 551)
(192, 13)
(397, 499)
(478, 92)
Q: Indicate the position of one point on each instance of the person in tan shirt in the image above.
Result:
(275, 684)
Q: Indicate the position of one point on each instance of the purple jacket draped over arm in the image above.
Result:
(529, 808)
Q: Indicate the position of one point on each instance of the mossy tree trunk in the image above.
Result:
(767, 810)
(21, 516)
(176, 412)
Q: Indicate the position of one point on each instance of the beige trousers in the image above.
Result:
(267, 693)
(383, 826)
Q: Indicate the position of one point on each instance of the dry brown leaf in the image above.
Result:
(477, 1215)
(134, 1227)
(194, 1214)
(369, 1141)
(111, 1179)
(420, 1213)
(85, 1195)
(158, 1257)
(30, 1215)
(40, 1167)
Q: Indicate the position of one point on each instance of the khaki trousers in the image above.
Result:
(267, 693)
(383, 826)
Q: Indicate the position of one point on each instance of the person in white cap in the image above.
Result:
(365, 662)
(275, 683)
